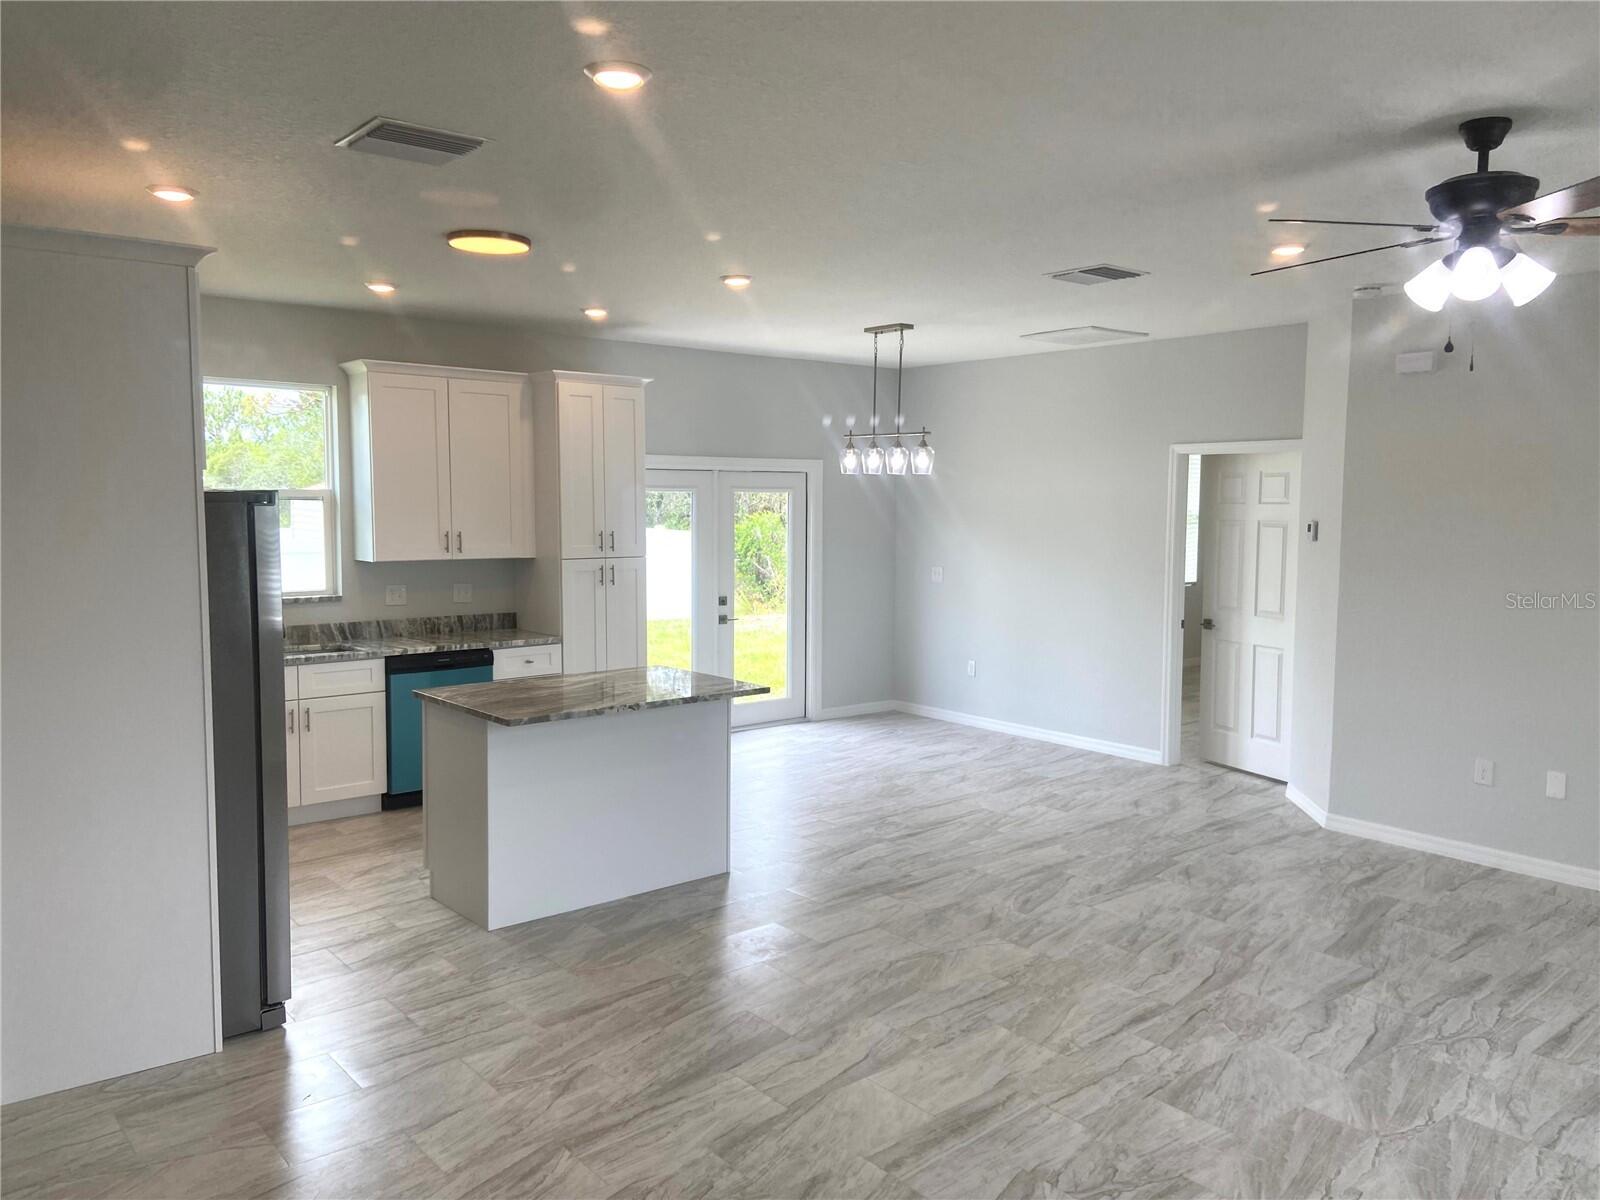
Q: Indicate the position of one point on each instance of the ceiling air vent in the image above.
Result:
(414, 143)
(1101, 273)
(1086, 335)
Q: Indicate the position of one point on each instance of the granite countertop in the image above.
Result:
(350, 649)
(544, 698)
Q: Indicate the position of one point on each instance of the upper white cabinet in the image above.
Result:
(442, 462)
(600, 462)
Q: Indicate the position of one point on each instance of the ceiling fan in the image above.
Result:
(1480, 213)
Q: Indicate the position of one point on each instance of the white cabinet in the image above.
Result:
(441, 462)
(343, 747)
(625, 612)
(589, 472)
(337, 735)
(518, 662)
(291, 738)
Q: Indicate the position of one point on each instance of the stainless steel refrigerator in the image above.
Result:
(248, 753)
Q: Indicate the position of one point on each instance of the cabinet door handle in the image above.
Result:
(613, 575)
(458, 541)
(447, 541)
(306, 722)
(600, 540)
(613, 539)
(291, 720)
(600, 577)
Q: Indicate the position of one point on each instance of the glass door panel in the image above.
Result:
(762, 547)
(680, 571)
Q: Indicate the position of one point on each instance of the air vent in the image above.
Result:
(1101, 273)
(1086, 335)
(414, 143)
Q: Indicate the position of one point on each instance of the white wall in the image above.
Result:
(1317, 581)
(1047, 512)
(701, 402)
(1460, 487)
(106, 940)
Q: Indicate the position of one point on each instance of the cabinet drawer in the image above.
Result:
(341, 678)
(518, 661)
(291, 683)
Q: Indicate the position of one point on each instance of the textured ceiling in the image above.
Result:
(865, 162)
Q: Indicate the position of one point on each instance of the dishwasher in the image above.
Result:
(405, 673)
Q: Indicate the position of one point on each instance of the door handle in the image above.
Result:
(458, 541)
(725, 619)
(291, 720)
(1207, 623)
(613, 539)
(306, 721)
(613, 575)
(600, 540)
(447, 541)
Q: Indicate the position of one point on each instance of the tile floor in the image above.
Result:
(948, 963)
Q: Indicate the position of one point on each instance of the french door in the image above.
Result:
(726, 582)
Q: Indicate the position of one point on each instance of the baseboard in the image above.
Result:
(1076, 741)
(1483, 856)
(333, 810)
(1306, 804)
(856, 710)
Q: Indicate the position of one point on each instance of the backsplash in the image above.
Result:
(412, 627)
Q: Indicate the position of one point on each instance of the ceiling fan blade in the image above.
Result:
(1552, 206)
(1570, 227)
(1370, 224)
(1427, 241)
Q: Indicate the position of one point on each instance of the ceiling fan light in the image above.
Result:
(1476, 275)
(1430, 288)
(1524, 279)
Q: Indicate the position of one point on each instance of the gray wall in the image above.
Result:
(1317, 581)
(1047, 512)
(700, 403)
(1460, 487)
(107, 933)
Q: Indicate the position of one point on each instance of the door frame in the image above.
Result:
(1172, 630)
(812, 469)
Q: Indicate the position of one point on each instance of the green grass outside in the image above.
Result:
(760, 652)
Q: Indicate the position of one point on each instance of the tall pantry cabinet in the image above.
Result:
(588, 582)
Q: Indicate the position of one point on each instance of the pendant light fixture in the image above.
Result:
(896, 458)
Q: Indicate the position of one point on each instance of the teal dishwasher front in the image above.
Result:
(406, 673)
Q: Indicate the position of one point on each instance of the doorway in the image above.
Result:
(1234, 539)
(728, 589)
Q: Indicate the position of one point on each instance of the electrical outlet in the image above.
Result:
(972, 666)
(1483, 772)
(395, 593)
(462, 593)
(1555, 785)
(938, 574)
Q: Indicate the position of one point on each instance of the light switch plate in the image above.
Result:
(1555, 785)
(462, 593)
(972, 667)
(937, 574)
(1483, 772)
(395, 593)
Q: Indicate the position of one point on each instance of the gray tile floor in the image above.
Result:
(949, 963)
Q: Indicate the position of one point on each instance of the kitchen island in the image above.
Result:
(553, 793)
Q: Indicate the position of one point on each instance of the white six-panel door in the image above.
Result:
(1248, 524)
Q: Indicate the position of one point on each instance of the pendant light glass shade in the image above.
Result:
(1523, 279)
(1429, 289)
(849, 458)
(872, 460)
(922, 458)
(1476, 275)
(899, 458)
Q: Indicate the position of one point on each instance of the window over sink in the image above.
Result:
(280, 436)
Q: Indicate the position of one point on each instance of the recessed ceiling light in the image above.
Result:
(171, 193)
(713, 236)
(737, 282)
(136, 145)
(1267, 206)
(618, 76)
(1288, 250)
(596, 313)
(568, 268)
(488, 241)
(349, 239)
(591, 26)
(379, 287)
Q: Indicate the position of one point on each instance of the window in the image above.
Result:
(280, 436)
(1191, 528)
